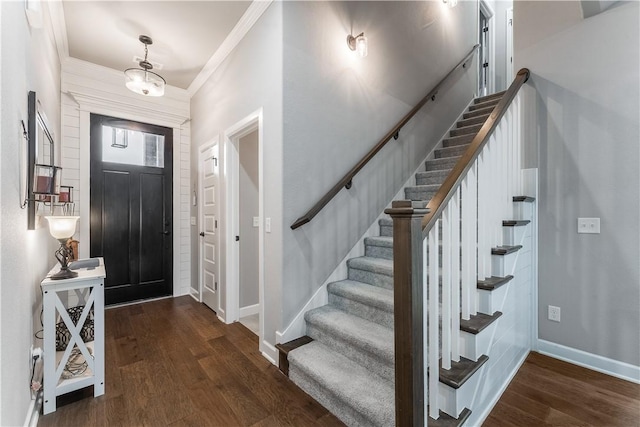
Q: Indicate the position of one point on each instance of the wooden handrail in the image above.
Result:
(347, 179)
(438, 202)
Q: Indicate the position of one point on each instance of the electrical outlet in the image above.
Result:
(554, 313)
(267, 225)
(256, 221)
(589, 225)
(193, 220)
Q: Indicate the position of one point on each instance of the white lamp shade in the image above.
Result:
(362, 46)
(144, 82)
(62, 227)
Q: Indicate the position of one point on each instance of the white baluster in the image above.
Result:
(447, 246)
(455, 275)
(472, 278)
(434, 359)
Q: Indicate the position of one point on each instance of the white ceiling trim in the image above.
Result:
(251, 15)
(56, 12)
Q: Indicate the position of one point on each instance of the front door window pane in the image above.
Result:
(132, 147)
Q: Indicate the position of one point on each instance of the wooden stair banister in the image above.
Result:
(348, 178)
(451, 183)
(407, 264)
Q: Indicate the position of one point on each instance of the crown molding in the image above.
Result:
(56, 12)
(246, 22)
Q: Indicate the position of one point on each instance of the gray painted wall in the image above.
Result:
(583, 103)
(28, 61)
(248, 205)
(337, 106)
(250, 78)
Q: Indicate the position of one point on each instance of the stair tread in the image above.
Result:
(428, 187)
(466, 130)
(373, 296)
(505, 250)
(489, 103)
(478, 112)
(493, 282)
(515, 222)
(384, 241)
(352, 384)
(528, 199)
(364, 335)
(482, 99)
(453, 141)
(447, 420)
(375, 265)
(478, 322)
(480, 118)
(461, 371)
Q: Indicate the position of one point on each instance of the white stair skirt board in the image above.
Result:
(33, 412)
(270, 353)
(615, 368)
(249, 310)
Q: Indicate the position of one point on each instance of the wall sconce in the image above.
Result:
(358, 44)
(63, 228)
(450, 3)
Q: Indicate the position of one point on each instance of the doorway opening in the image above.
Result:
(245, 224)
(131, 205)
(486, 40)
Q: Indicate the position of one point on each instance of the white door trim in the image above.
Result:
(85, 110)
(204, 147)
(231, 170)
(489, 13)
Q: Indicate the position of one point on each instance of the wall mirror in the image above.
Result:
(43, 177)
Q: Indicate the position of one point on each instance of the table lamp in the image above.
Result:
(63, 228)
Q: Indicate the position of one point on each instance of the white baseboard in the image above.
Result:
(194, 295)
(269, 352)
(615, 368)
(33, 412)
(249, 310)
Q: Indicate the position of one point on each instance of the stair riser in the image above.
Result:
(503, 265)
(453, 401)
(382, 368)
(487, 98)
(458, 140)
(451, 151)
(478, 112)
(362, 310)
(491, 301)
(431, 178)
(416, 194)
(472, 346)
(440, 164)
(484, 105)
(378, 251)
(386, 230)
(340, 408)
(469, 130)
(375, 279)
(513, 236)
(472, 121)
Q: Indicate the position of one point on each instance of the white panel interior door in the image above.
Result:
(209, 238)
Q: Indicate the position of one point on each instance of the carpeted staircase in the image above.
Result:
(348, 366)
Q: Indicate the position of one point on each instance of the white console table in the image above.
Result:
(88, 289)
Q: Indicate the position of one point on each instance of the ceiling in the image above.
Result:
(185, 34)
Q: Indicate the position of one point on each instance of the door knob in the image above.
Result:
(202, 234)
(166, 232)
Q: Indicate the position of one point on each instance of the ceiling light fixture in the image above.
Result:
(142, 80)
(450, 3)
(359, 44)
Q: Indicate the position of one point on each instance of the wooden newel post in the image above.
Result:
(408, 312)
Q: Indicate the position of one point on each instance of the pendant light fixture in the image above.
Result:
(142, 80)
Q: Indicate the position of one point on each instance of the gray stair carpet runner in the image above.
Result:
(349, 367)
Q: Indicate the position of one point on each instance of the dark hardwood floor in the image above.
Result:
(172, 362)
(550, 392)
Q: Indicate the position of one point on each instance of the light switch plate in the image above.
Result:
(193, 220)
(589, 225)
(256, 221)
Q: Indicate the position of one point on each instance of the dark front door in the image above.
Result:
(131, 201)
